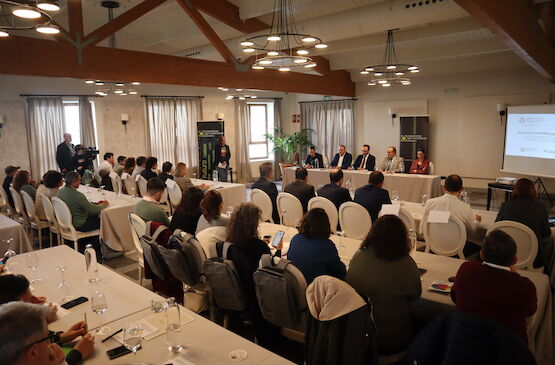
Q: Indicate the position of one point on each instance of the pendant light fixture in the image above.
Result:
(17, 16)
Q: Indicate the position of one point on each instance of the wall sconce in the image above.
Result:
(124, 120)
(1, 124)
(502, 109)
(393, 115)
(220, 116)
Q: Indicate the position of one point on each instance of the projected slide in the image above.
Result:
(531, 135)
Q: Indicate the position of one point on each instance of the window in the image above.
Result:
(261, 122)
(73, 122)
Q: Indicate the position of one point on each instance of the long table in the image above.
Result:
(13, 232)
(408, 186)
(232, 194)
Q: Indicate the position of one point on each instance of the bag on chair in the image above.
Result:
(152, 253)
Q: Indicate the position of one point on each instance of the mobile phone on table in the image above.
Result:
(118, 351)
(277, 238)
(74, 302)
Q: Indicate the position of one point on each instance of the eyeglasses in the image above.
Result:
(51, 338)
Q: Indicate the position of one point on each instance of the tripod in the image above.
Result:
(539, 187)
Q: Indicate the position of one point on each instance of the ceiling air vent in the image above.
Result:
(192, 53)
(414, 4)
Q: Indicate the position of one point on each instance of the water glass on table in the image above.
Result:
(32, 261)
(132, 339)
(99, 305)
(173, 326)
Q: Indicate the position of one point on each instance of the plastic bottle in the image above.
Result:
(413, 240)
(91, 263)
(215, 175)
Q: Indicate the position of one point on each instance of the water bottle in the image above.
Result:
(215, 175)
(173, 326)
(413, 240)
(316, 163)
(464, 197)
(92, 265)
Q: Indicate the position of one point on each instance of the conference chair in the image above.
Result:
(526, 243)
(20, 214)
(141, 182)
(405, 216)
(262, 201)
(165, 202)
(65, 224)
(329, 207)
(208, 238)
(117, 184)
(325, 161)
(174, 195)
(446, 239)
(130, 185)
(290, 209)
(354, 220)
(431, 168)
(3, 204)
(138, 228)
(8, 207)
(35, 223)
(50, 218)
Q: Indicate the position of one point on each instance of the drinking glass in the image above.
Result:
(194, 176)
(395, 196)
(157, 305)
(341, 234)
(229, 211)
(99, 305)
(64, 283)
(132, 339)
(173, 326)
(32, 261)
(133, 195)
(424, 199)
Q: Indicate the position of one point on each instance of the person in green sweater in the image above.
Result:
(85, 215)
(148, 208)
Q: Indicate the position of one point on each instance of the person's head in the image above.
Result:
(167, 167)
(104, 174)
(266, 170)
(73, 179)
(221, 140)
(376, 178)
(151, 163)
(243, 225)
(421, 154)
(499, 248)
(341, 150)
(25, 336)
(365, 149)
(391, 152)
(130, 163)
(11, 170)
(141, 161)
(67, 137)
(14, 288)
(23, 177)
(301, 174)
(155, 188)
(524, 188)
(312, 151)
(109, 156)
(80, 150)
(453, 184)
(180, 169)
(121, 160)
(52, 179)
(190, 201)
(389, 238)
(315, 224)
(336, 176)
(211, 205)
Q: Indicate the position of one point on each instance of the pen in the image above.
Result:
(112, 335)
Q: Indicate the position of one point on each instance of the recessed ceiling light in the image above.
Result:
(89, 81)
(99, 83)
(399, 73)
(133, 93)
(378, 74)
(284, 69)
(364, 72)
(119, 83)
(310, 65)
(302, 52)
(371, 84)
(273, 53)
(301, 60)
(238, 89)
(118, 91)
(257, 67)
(386, 85)
(369, 69)
(241, 98)
(382, 82)
(391, 67)
(412, 67)
(248, 50)
(265, 62)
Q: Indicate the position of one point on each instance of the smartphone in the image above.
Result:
(118, 352)
(277, 238)
(74, 302)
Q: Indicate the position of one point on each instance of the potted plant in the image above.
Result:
(289, 145)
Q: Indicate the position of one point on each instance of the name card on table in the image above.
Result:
(390, 209)
(113, 175)
(170, 183)
(124, 176)
(439, 216)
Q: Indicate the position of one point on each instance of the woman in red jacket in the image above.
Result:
(421, 165)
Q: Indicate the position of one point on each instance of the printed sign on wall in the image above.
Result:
(208, 133)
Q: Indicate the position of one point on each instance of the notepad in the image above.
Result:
(390, 209)
(439, 216)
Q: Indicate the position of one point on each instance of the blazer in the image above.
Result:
(370, 162)
(337, 194)
(64, 157)
(312, 160)
(269, 188)
(397, 164)
(165, 176)
(302, 191)
(347, 160)
(148, 174)
(218, 157)
(372, 198)
(423, 169)
(531, 213)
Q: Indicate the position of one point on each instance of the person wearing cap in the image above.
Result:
(64, 154)
(10, 173)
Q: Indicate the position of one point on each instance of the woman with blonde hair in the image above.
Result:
(180, 177)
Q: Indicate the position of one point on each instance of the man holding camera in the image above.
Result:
(65, 153)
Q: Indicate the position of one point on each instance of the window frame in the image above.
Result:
(266, 122)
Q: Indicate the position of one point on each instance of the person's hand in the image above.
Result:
(266, 239)
(478, 218)
(37, 300)
(78, 329)
(2, 268)
(280, 245)
(85, 346)
(307, 166)
(512, 268)
(55, 354)
(52, 314)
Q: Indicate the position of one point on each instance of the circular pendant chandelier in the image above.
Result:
(283, 48)
(390, 71)
(27, 15)
(113, 87)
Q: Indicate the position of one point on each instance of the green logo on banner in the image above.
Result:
(403, 138)
(201, 133)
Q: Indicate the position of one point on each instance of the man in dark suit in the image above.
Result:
(313, 159)
(300, 189)
(65, 153)
(373, 196)
(365, 161)
(269, 187)
(333, 191)
(342, 159)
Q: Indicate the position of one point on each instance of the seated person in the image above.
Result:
(211, 207)
(150, 168)
(300, 189)
(187, 213)
(313, 159)
(392, 163)
(493, 288)
(80, 162)
(85, 215)
(342, 158)
(148, 208)
(334, 190)
(421, 165)
(373, 195)
(10, 173)
(120, 166)
(105, 180)
(22, 182)
(181, 178)
(130, 165)
(108, 163)
(166, 171)
(365, 161)
(141, 165)
(312, 251)
(52, 181)
(265, 184)
(383, 271)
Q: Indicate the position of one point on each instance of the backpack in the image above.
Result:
(281, 291)
(223, 281)
(184, 257)
(152, 253)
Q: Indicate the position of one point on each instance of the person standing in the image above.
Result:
(221, 158)
(365, 161)
(64, 154)
(342, 158)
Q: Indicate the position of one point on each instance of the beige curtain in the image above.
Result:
(277, 124)
(86, 120)
(187, 113)
(45, 130)
(242, 117)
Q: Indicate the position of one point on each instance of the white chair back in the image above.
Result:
(29, 206)
(292, 207)
(209, 237)
(49, 213)
(329, 207)
(142, 185)
(446, 239)
(405, 216)
(525, 239)
(355, 220)
(325, 161)
(262, 201)
(117, 184)
(18, 202)
(431, 168)
(165, 201)
(7, 203)
(174, 195)
(63, 216)
(138, 229)
(130, 185)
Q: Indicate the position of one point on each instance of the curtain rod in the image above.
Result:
(172, 96)
(325, 101)
(40, 95)
(262, 98)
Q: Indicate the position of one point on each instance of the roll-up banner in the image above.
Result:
(414, 135)
(208, 133)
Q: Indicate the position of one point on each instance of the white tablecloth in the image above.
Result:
(10, 229)
(409, 187)
(232, 194)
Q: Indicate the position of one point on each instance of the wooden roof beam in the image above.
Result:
(228, 13)
(75, 16)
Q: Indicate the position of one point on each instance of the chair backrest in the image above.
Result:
(49, 211)
(152, 253)
(355, 220)
(292, 207)
(431, 168)
(130, 185)
(117, 184)
(208, 238)
(141, 181)
(174, 195)
(29, 206)
(262, 201)
(446, 239)
(138, 229)
(325, 161)
(7, 203)
(63, 216)
(329, 207)
(17, 202)
(405, 216)
(525, 239)
(184, 257)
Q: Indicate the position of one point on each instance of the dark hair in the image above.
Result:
(243, 225)
(524, 188)
(130, 163)
(453, 183)
(389, 238)
(190, 201)
(154, 186)
(312, 147)
(315, 224)
(336, 175)
(121, 158)
(79, 147)
(71, 177)
(393, 148)
(150, 162)
(220, 140)
(301, 173)
(52, 179)
(12, 287)
(422, 150)
(499, 248)
(210, 205)
(265, 169)
(365, 145)
(141, 160)
(107, 155)
(375, 178)
(167, 166)
(20, 179)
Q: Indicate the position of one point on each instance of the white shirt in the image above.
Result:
(137, 171)
(449, 202)
(340, 162)
(363, 162)
(506, 268)
(105, 165)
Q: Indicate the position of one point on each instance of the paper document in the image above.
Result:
(390, 209)
(124, 176)
(438, 216)
(137, 177)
